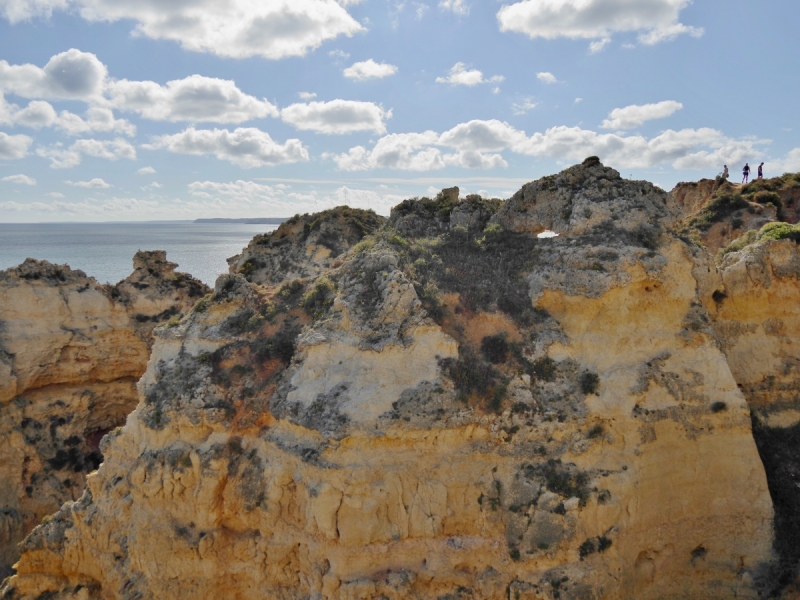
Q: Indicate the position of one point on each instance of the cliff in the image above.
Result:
(446, 406)
(71, 351)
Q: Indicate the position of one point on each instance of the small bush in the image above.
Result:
(779, 231)
(596, 431)
(589, 382)
(719, 208)
(718, 407)
(495, 348)
(543, 369)
(317, 301)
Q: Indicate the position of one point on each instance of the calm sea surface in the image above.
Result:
(105, 250)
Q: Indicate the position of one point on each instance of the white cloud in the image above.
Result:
(195, 98)
(146, 171)
(232, 28)
(599, 45)
(14, 146)
(338, 55)
(55, 195)
(478, 144)
(634, 115)
(65, 158)
(578, 100)
(459, 75)
(459, 7)
(421, 9)
(369, 69)
(38, 114)
(337, 116)
(245, 146)
(95, 183)
(71, 75)
(23, 10)
(20, 179)
(306, 95)
(654, 20)
(546, 77)
(789, 164)
(523, 107)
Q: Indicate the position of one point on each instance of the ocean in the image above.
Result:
(105, 250)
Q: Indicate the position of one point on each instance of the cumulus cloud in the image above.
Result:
(478, 145)
(65, 158)
(38, 114)
(71, 75)
(459, 7)
(14, 146)
(146, 171)
(232, 28)
(369, 69)
(95, 183)
(634, 115)
(55, 195)
(459, 75)
(337, 116)
(245, 146)
(306, 95)
(418, 151)
(20, 179)
(655, 20)
(546, 77)
(195, 98)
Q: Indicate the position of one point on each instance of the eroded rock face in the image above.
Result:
(71, 351)
(757, 320)
(305, 245)
(476, 414)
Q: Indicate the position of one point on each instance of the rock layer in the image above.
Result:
(448, 412)
(71, 351)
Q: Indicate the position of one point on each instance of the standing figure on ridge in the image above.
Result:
(761, 171)
(725, 172)
(745, 173)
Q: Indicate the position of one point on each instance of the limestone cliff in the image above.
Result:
(71, 351)
(450, 408)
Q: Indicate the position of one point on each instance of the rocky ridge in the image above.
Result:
(453, 408)
(71, 351)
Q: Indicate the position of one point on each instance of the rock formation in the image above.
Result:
(450, 407)
(71, 351)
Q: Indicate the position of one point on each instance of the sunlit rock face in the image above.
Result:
(71, 351)
(450, 407)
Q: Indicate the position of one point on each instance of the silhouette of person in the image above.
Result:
(745, 173)
(725, 172)
(761, 171)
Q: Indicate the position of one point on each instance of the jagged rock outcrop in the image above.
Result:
(717, 212)
(71, 351)
(305, 245)
(443, 412)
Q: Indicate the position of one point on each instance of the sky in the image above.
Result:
(131, 110)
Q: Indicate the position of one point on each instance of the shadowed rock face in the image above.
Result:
(71, 351)
(453, 408)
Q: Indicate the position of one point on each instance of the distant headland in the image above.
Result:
(271, 221)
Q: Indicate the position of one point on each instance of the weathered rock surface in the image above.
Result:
(305, 245)
(71, 351)
(451, 410)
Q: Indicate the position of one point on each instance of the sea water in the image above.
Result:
(105, 250)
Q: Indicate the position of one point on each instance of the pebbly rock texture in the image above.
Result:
(443, 412)
(305, 245)
(71, 351)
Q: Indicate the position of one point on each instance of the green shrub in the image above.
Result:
(719, 208)
(779, 231)
(495, 348)
(543, 369)
(317, 301)
(589, 382)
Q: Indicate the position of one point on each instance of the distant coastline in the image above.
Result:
(268, 221)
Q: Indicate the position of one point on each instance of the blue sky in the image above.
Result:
(146, 109)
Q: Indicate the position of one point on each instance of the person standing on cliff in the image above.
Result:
(745, 173)
(725, 171)
(761, 171)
